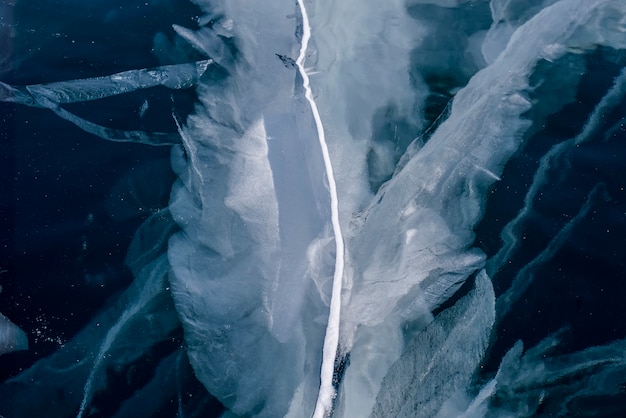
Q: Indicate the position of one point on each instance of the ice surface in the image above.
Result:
(251, 202)
(550, 161)
(440, 359)
(584, 382)
(140, 319)
(360, 70)
(12, 338)
(300, 144)
(439, 192)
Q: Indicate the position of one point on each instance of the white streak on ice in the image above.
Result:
(331, 340)
(488, 172)
(152, 287)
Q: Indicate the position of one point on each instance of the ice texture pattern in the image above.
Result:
(337, 241)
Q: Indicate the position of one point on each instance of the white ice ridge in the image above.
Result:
(331, 339)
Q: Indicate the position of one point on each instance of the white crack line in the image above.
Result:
(326, 394)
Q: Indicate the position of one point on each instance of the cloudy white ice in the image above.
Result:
(322, 257)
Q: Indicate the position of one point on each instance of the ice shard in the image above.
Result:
(53, 95)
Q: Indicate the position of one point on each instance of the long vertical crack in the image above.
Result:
(326, 392)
